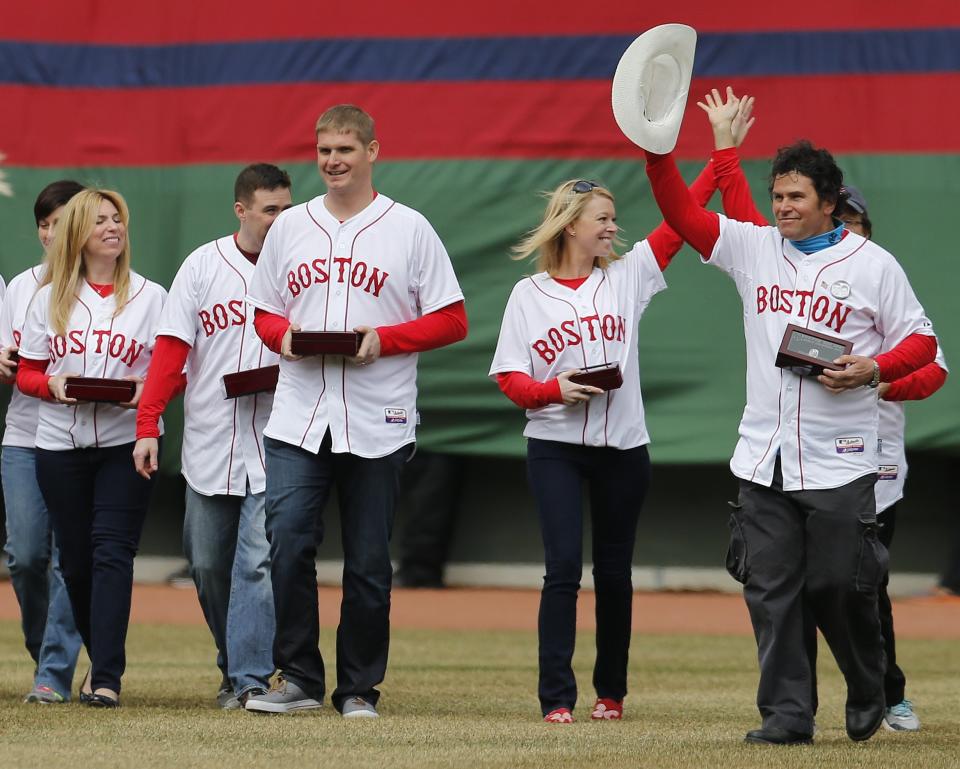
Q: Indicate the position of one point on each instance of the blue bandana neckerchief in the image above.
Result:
(819, 242)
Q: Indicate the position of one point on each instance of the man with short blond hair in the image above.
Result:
(349, 260)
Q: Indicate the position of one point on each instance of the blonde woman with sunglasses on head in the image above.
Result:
(580, 311)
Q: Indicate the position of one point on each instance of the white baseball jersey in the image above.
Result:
(384, 266)
(96, 345)
(549, 328)
(21, 429)
(3, 288)
(854, 290)
(207, 309)
(892, 459)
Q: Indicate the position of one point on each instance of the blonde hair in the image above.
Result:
(348, 117)
(546, 241)
(66, 269)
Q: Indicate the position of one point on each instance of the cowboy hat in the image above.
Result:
(651, 84)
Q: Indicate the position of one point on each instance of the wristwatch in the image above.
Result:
(876, 376)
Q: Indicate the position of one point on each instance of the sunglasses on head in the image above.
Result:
(584, 185)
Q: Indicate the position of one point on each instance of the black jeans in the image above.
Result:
(298, 486)
(618, 482)
(97, 503)
(812, 559)
(894, 682)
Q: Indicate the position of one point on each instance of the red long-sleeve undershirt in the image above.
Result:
(428, 332)
(921, 384)
(912, 354)
(32, 378)
(527, 392)
(165, 380)
(695, 224)
(737, 199)
(664, 240)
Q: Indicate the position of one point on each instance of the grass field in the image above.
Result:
(465, 699)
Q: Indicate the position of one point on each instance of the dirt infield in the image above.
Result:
(468, 609)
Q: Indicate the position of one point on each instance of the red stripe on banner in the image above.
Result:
(181, 21)
(99, 127)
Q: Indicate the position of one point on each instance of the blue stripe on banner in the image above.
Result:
(465, 59)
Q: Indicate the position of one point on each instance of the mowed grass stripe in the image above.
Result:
(465, 699)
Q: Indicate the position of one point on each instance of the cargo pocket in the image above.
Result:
(872, 560)
(737, 550)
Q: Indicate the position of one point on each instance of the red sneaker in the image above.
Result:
(559, 716)
(607, 710)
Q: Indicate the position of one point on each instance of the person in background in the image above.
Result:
(32, 555)
(207, 325)
(431, 488)
(891, 476)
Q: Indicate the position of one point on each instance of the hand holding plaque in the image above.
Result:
(251, 381)
(345, 343)
(606, 376)
(807, 352)
(100, 390)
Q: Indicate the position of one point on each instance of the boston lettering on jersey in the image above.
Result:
(360, 275)
(612, 328)
(220, 317)
(114, 345)
(776, 299)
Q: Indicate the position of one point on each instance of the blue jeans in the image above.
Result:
(97, 504)
(298, 486)
(225, 542)
(34, 562)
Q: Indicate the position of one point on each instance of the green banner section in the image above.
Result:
(691, 341)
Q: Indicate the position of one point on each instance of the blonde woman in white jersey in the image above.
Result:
(92, 316)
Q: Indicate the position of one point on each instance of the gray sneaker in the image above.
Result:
(284, 697)
(227, 700)
(901, 718)
(358, 707)
(44, 695)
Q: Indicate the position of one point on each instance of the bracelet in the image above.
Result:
(875, 381)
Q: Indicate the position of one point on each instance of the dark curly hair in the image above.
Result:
(816, 164)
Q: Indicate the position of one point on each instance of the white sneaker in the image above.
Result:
(358, 707)
(901, 718)
(284, 697)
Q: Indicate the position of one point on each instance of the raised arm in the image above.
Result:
(729, 119)
(699, 227)
(664, 240)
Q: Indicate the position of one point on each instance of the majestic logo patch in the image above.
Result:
(395, 416)
(849, 445)
(887, 473)
(840, 289)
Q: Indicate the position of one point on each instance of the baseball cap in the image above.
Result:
(650, 86)
(855, 199)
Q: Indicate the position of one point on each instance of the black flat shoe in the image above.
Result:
(102, 701)
(774, 736)
(85, 697)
